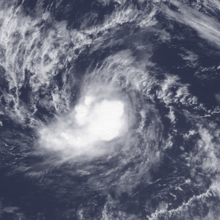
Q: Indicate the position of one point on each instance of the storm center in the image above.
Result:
(92, 122)
(102, 121)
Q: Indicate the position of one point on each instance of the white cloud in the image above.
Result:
(207, 27)
(87, 131)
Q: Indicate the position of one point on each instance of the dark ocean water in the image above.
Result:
(161, 59)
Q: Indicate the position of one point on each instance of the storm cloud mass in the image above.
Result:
(109, 110)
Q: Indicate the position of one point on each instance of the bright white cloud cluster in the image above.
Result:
(103, 121)
(84, 132)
